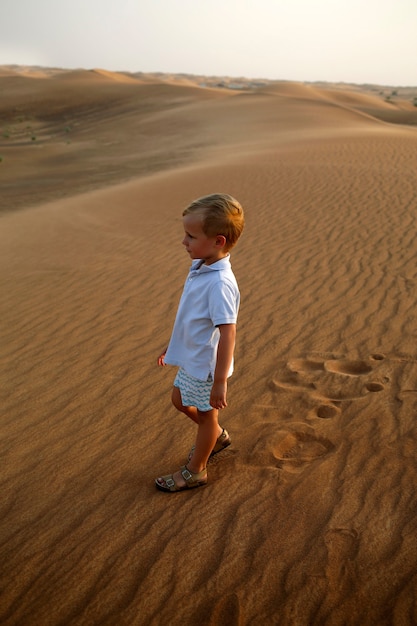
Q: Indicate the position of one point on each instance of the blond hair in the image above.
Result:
(222, 215)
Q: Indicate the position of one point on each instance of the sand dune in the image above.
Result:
(82, 129)
(309, 518)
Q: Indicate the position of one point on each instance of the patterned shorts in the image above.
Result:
(194, 392)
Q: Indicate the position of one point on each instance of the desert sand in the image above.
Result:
(310, 517)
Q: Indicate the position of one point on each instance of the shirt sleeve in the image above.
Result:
(224, 301)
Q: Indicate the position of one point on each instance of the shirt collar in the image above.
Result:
(221, 264)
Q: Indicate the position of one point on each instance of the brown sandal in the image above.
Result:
(167, 483)
(223, 441)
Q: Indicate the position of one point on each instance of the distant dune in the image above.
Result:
(309, 518)
(123, 126)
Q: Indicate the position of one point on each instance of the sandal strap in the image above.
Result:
(192, 477)
(222, 442)
(186, 474)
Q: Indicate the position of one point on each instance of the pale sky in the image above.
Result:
(359, 41)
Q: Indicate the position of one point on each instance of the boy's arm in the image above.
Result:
(225, 351)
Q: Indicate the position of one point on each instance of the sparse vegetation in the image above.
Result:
(22, 131)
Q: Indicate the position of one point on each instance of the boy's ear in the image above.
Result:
(220, 241)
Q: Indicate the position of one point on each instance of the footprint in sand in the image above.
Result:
(378, 357)
(296, 449)
(291, 447)
(330, 381)
(375, 387)
(343, 542)
(348, 368)
(342, 546)
(327, 411)
(313, 387)
(305, 365)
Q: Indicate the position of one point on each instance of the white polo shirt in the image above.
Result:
(210, 298)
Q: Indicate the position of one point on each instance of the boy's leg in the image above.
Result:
(207, 434)
(208, 431)
(206, 416)
(189, 411)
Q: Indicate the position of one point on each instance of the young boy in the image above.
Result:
(203, 338)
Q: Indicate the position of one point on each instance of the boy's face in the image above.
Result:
(198, 244)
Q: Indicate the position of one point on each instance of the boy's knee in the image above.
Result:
(207, 416)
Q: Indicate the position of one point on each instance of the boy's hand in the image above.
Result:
(218, 395)
(161, 358)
